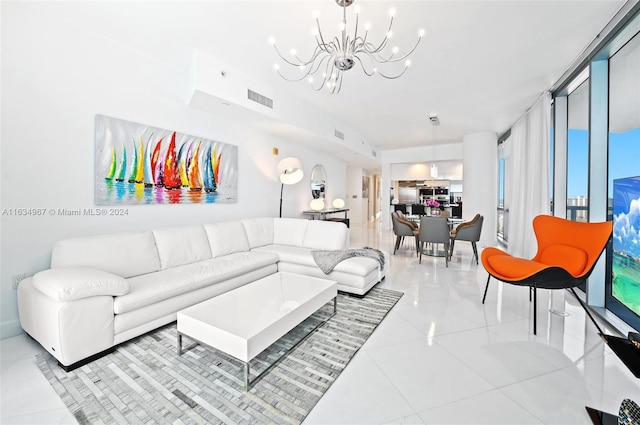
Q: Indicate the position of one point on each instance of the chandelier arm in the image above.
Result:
(323, 44)
(289, 61)
(364, 69)
(389, 77)
(339, 82)
(295, 80)
(355, 31)
(385, 40)
(317, 52)
(391, 58)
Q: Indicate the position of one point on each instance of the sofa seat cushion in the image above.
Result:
(152, 288)
(360, 266)
(155, 287)
(223, 268)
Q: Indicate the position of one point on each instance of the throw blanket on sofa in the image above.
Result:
(328, 260)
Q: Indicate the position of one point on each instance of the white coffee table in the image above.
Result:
(245, 321)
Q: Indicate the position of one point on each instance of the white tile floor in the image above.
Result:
(439, 357)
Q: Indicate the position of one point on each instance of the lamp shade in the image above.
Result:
(290, 170)
(317, 204)
(338, 203)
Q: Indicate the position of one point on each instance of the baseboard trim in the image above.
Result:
(10, 328)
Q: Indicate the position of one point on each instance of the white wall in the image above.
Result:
(54, 81)
(354, 201)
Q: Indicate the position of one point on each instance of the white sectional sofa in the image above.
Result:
(103, 290)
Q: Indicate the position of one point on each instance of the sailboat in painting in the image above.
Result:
(137, 172)
(123, 165)
(157, 164)
(183, 153)
(208, 178)
(195, 182)
(171, 176)
(112, 168)
(148, 173)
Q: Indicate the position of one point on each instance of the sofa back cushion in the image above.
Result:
(259, 231)
(181, 245)
(123, 254)
(328, 235)
(289, 231)
(226, 238)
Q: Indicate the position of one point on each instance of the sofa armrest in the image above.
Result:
(74, 283)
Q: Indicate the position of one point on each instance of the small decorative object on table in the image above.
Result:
(434, 205)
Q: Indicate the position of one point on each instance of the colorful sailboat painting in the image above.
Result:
(141, 164)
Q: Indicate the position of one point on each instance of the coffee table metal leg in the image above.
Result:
(179, 344)
(246, 375)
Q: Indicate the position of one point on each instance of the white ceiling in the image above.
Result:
(480, 65)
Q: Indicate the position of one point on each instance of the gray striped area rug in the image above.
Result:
(145, 381)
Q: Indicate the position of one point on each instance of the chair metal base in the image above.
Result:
(534, 295)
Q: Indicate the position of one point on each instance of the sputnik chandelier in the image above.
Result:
(332, 57)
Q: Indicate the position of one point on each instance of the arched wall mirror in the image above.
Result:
(318, 182)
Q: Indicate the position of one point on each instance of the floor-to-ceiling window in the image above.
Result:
(578, 151)
(623, 287)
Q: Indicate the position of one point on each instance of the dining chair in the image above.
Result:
(468, 231)
(403, 227)
(417, 209)
(567, 254)
(400, 207)
(434, 230)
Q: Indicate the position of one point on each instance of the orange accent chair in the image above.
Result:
(567, 254)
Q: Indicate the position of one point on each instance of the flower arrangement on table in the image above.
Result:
(432, 204)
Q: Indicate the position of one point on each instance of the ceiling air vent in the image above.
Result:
(258, 98)
(374, 153)
(338, 134)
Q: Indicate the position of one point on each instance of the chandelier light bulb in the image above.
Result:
(276, 67)
(315, 14)
(352, 47)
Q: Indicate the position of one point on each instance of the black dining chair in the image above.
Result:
(400, 207)
(418, 209)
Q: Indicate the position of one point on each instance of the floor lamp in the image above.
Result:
(290, 172)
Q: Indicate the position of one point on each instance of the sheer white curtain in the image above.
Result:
(530, 175)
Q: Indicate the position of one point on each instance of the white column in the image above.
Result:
(480, 181)
(385, 195)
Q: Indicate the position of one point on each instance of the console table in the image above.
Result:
(322, 214)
